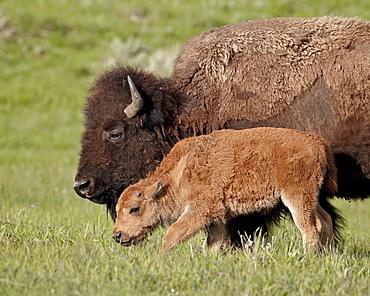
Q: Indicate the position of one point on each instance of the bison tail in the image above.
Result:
(331, 178)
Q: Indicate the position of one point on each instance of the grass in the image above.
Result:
(53, 242)
(42, 255)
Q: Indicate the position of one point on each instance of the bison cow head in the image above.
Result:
(124, 135)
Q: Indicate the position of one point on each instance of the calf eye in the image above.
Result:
(137, 194)
(134, 211)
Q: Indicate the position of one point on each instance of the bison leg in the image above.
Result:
(326, 233)
(217, 237)
(255, 223)
(190, 223)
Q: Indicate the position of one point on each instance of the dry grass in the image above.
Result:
(159, 61)
(6, 32)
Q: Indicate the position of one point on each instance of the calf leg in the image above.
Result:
(185, 227)
(308, 224)
(305, 217)
(218, 237)
(326, 233)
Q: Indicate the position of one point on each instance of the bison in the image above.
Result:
(206, 180)
(309, 74)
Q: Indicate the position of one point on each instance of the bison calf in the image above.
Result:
(205, 181)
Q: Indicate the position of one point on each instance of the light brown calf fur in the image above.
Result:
(205, 181)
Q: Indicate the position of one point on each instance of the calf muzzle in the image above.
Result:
(118, 237)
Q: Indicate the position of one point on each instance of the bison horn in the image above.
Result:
(137, 101)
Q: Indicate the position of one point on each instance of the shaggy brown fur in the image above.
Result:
(306, 74)
(252, 65)
(205, 181)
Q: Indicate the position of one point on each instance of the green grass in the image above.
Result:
(50, 53)
(41, 254)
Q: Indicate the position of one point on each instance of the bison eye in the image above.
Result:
(137, 194)
(134, 211)
(115, 136)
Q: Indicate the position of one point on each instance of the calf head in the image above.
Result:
(137, 213)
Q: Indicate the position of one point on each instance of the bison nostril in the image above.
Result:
(82, 187)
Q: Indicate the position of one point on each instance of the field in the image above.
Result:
(52, 242)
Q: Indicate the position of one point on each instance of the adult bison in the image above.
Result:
(308, 74)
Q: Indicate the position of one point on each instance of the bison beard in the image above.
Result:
(306, 74)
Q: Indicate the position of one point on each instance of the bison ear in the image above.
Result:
(158, 96)
(156, 114)
(155, 189)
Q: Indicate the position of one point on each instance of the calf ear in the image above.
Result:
(154, 189)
